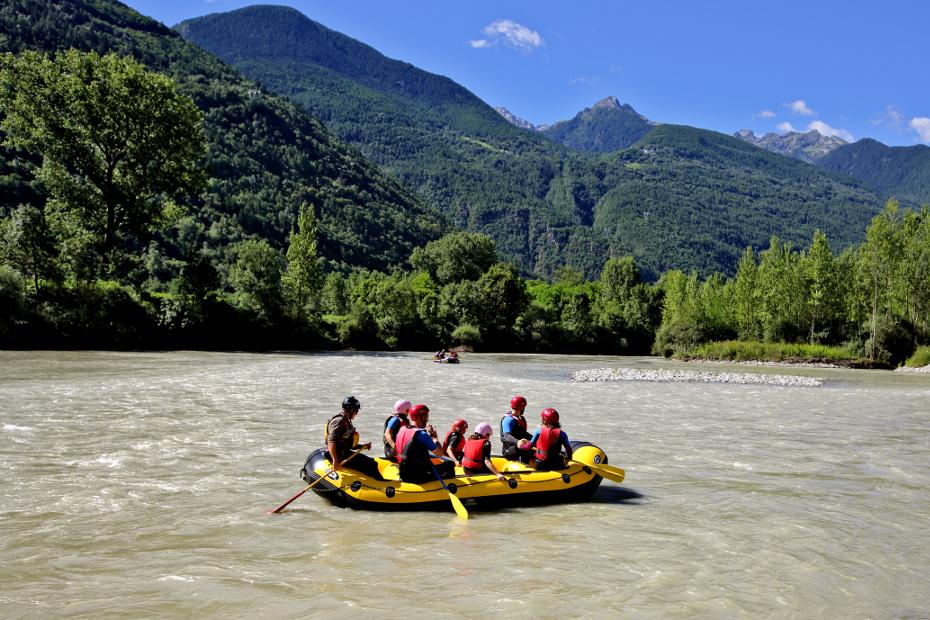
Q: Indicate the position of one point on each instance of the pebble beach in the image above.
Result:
(698, 376)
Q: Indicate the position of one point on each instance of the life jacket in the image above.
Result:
(547, 444)
(404, 421)
(408, 451)
(474, 453)
(344, 445)
(510, 447)
(458, 450)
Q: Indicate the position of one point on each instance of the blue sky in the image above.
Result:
(854, 69)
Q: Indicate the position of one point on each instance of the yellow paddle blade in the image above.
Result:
(610, 472)
(605, 471)
(459, 507)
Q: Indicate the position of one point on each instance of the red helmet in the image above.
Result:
(459, 425)
(419, 412)
(550, 415)
(517, 402)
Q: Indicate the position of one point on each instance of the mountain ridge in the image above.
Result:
(546, 204)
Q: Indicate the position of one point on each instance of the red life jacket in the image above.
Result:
(474, 453)
(405, 448)
(548, 438)
(458, 449)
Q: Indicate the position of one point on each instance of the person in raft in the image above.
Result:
(549, 440)
(453, 445)
(341, 438)
(477, 458)
(394, 423)
(514, 436)
(413, 447)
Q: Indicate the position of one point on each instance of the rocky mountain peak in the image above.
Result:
(514, 120)
(607, 103)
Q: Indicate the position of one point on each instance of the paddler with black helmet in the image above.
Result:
(341, 438)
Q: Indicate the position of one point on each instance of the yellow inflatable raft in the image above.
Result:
(577, 482)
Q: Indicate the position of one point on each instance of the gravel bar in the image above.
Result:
(697, 376)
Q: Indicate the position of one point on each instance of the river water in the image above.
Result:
(138, 484)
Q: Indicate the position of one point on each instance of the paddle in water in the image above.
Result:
(456, 502)
(314, 483)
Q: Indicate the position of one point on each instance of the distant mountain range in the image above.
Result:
(810, 147)
(608, 182)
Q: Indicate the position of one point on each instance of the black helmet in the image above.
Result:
(351, 404)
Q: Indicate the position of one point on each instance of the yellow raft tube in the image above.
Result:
(523, 486)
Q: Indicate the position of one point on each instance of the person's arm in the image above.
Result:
(429, 440)
(333, 453)
(450, 451)
(387, 433)
(508, 430)
(567, 445)
(489, 463)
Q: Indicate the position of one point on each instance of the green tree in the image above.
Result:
(879, 261)
(26, 243)
(456, 257)
(818, 267)
(117, 141)
(256, 277)
(503, 297)
(304, 276)
(746, 297)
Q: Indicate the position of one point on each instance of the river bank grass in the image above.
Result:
(920, 358)
(778, 352)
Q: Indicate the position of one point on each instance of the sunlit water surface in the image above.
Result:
(138, 484)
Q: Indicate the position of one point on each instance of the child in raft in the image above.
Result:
(454, 444)
(549, 440)
(477, 454)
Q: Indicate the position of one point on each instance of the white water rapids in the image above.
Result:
(138, 484)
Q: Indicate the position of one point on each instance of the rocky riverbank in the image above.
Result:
(698, 376)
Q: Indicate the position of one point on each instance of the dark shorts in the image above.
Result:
(363, 464)
(422, 472)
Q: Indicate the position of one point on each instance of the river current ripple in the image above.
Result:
(138, 485)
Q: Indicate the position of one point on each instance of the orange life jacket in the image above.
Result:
(474, 453)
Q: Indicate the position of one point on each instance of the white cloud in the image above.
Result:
(585, 80)
(764, 114)
(799, 106)
(826, 130)
(921, 124)
(893, 118)
(510, 33)
(785, 127)
(616, 69)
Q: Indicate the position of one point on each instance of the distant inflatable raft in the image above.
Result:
(524, 486)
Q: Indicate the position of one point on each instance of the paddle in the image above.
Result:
(456, 502)
(604, 471)
(315, 482)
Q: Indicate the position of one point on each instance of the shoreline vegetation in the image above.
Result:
(130, 259)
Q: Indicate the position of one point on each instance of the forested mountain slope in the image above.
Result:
(902, 172)
(707, 195)
(266, 155)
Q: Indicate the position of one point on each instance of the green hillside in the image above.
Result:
(605, 127)
(895, 171)
(545, 205)
(686, 196)
(266, 156)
